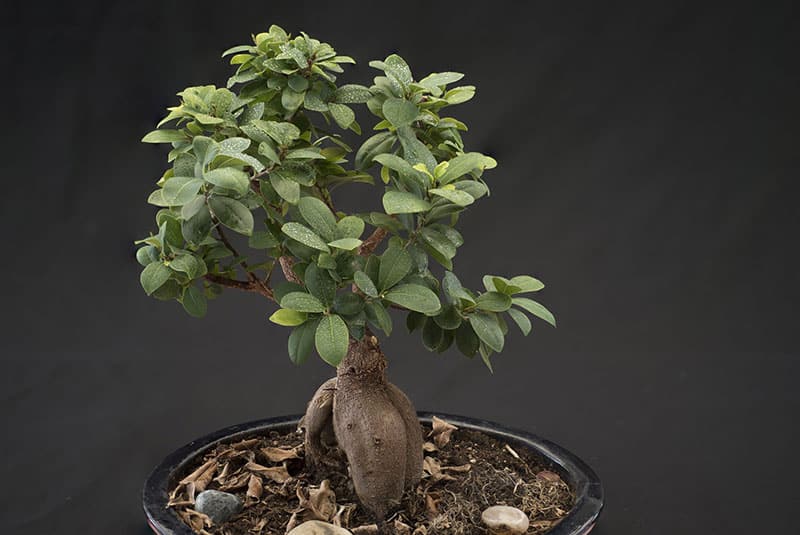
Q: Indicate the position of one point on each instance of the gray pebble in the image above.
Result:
(219, 506)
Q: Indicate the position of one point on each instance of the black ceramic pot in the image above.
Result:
(580, 478)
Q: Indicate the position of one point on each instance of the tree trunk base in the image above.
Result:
(372, 422)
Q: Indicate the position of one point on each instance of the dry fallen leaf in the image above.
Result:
(320, 504)
(431, 506)
(441, 431)
(401, 528)
(277, 455)
(236, 481)
(278, 474)
(548, 476)
(195, 519)
(342, 518)
(254, 487)
(245, 444)
(366, 529)
(429, 447)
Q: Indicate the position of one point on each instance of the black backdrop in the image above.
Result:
(647, 157)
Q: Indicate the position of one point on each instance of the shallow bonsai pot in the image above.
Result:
(580, 478)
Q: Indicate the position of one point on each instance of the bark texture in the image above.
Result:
(374, 424)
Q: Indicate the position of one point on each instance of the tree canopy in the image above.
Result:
(260, 157)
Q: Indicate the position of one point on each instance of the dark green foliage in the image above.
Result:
(260, 157)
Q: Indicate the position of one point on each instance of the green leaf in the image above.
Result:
(233, 145)
(346, 244)
(403, 168)
(291, 99)
(453, 288)
(435, 80)
(302, 302)
(289, 190)
(283, 288)
(342, 114)
(488, 330)
(147, 255)
(327, 261)
(415, 320)
(475, 188)
(348, 304)
(461, 198)
(526, 283)
(534, 308)
(352, 94)
(165, 136)
(402, 202)
(304, 235)
(154, 276)
(449, 318)
(350, 227)
(379, 316)
(320, 284)
(232, 214)
(266, 149)
(414, 297)
(205, 148)
(157, 199)
(465, 163)
(189, 264)
(493, 302)
(282, 133)
(196, 228)
(521, 320)
(288, 318)
(301, 342)
(399, 112)
(319, 216)
(414, 151)
(432, 335)
(438, 242)
(378, 144)
(397, 67)
(180, 190)
(459, 95)
(262, 239)
(229, 178)
(466, 340)
(314, 102)
(395, 264)
(296, 171)
(365, 284)
(304, 153)
(194, 302)
(331, 339)
(298, 83)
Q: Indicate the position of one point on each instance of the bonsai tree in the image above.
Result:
(260, 159)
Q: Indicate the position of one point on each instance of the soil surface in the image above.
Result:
(464, 473)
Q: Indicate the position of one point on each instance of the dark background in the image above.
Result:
(648, 160)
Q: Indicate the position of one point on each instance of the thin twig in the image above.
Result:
(256, 286)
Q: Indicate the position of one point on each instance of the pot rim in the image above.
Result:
(581, 479)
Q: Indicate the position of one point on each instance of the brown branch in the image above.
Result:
(372, 241)
(286, 266)
(256, 286)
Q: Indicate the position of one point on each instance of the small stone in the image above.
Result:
(219, 506)
(316, 527)
(505, 520)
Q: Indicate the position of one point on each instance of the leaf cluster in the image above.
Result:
(261, 157)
